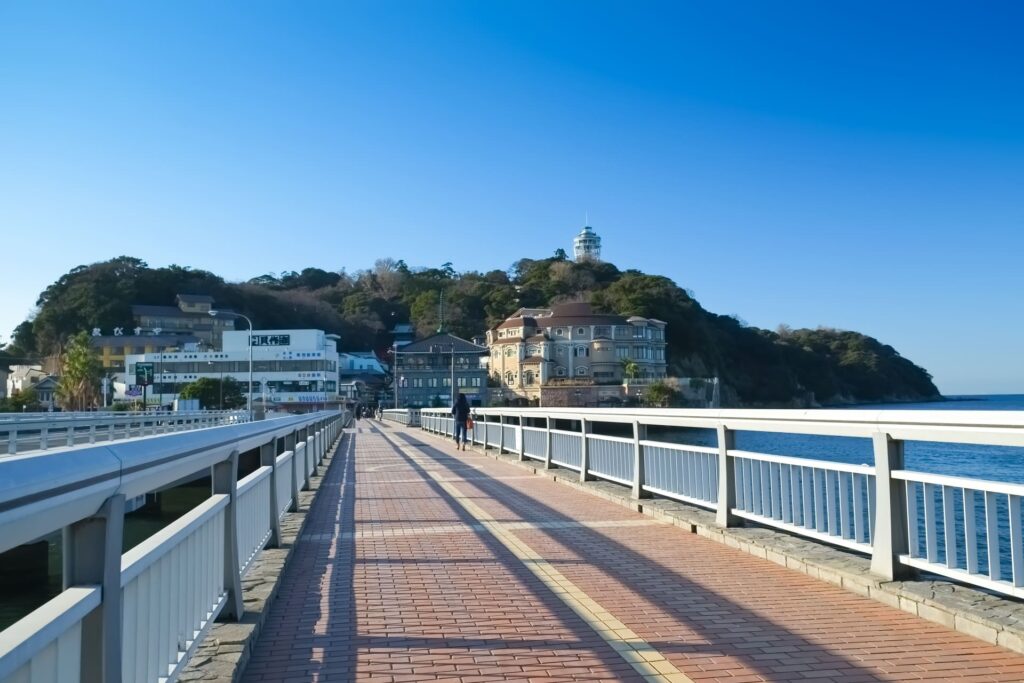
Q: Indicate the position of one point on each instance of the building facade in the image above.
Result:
(113, 349)
(293, 369)
(190, 316)
(425, 370)
(570, 345)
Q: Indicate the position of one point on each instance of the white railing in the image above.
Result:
(406, 416)
(172, 590)
(144, 611)
(254, 515)
(47, 644)
(971, 530)
(44, 431)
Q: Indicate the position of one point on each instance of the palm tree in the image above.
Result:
(630, 369)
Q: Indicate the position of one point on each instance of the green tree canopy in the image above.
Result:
(209, 392)
(80, 372)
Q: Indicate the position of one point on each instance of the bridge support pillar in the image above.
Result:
(639, 473)
(268, 458)
(225, 481)
(726, 479)
(890, 537)
(92, 555)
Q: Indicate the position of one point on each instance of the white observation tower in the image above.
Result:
(587, 245)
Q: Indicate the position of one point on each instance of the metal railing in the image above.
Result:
(137, 616)
(967, 529)
(43, 431)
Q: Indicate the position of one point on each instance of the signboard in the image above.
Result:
(271, 340)
(133, 391)
(144, 374)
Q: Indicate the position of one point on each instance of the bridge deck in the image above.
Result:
(421, 563)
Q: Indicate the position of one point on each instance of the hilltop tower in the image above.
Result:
(587, 245)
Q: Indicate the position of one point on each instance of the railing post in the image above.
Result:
(547, 443)
(501, 434)
(92, 433)
(71, 434)
(584, 450)
(225, 481)
(289, 445)
(639, 475)
(890, 537)
(44, 437)
(486, 432)
(268, 458)
(92, 556)
(724, 516)
(12, 442)
(521, 439)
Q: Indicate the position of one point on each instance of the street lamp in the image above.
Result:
(214, 314)
(221, 368)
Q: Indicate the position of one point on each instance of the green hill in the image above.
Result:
(757, 367)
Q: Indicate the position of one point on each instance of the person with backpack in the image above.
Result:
(460, 411)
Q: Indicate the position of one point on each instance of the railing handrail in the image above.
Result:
(979, 427)
(28, 636)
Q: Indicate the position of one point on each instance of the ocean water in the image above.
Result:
(998, 463)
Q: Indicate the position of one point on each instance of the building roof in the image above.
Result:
(443, 343)
(538, 338)
(194, 298)
(579, 314)
(526, 321)
(535, 360)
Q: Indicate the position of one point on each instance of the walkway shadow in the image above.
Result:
(706, 612)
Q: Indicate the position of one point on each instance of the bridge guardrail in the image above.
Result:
(138, 616)
(44, 431)
(407, 416)
(970, 530)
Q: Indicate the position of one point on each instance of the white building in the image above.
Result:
(290, 368)
(587, 245)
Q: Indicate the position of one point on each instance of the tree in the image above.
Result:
(630, 369)
(80, 371)
(208, 391)
(22, 401)
(661, 395)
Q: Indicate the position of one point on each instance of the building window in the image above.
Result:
(477, 381)
(581, 352)
(510, 378)
(509, 351)
(580, 331)
(560, 372)
(528, 378)
(560, 332)
(446, 381)
(602, 331)
(461, 381)
(622, 352)
(582, 370)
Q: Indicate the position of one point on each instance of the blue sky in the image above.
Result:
(850, 164)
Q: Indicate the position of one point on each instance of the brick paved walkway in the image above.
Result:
(421, 563)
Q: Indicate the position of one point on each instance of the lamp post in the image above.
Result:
(221, 384)
(248, 402)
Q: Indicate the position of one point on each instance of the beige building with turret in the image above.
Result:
(540, 351)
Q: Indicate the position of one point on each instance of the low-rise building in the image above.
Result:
(33, 377)
(294, 369)
(112, 349)
(425, 371)
(538, 351)
(190, 316)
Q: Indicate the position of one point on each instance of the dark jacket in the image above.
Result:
(461, 410)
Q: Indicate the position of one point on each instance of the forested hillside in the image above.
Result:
(758, 367)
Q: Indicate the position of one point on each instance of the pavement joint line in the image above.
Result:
(636, 651)
(461, 528)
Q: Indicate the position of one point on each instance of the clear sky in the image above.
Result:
(850, 164)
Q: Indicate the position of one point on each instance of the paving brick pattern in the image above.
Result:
(394, 580)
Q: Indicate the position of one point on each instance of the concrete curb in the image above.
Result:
(225, 651)
(991, 618)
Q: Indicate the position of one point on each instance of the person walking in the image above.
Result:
(460, 411)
